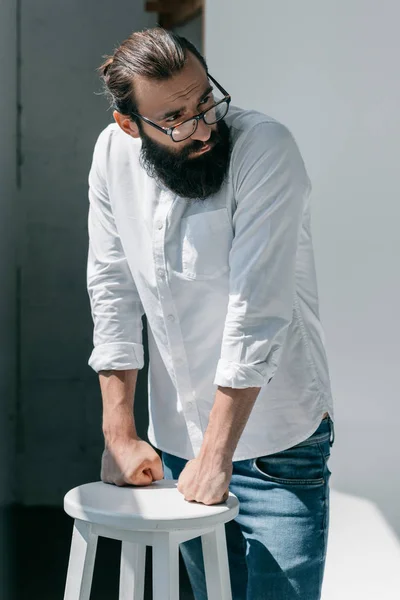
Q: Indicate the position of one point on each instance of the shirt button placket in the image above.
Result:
(173, 331)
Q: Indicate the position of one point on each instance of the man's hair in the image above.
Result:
(154, 53)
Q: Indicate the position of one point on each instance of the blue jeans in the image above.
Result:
(277, 543)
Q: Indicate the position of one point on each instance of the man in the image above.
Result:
(200, 218)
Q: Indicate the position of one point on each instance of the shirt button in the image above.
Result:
(171, 318)
(160, 225)
(160, 272)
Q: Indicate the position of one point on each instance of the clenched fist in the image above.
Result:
(130, 462)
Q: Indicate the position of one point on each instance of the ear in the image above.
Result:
(126, 124)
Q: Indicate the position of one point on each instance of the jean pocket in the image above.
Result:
(325, 449)
(297, 466)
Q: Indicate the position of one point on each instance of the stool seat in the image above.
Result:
(155, 515)
(158, 506)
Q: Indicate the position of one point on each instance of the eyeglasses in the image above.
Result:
(183, 131)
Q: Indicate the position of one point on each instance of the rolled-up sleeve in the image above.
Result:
(271, 188)
(115, 304)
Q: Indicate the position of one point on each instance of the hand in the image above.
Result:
(205, 480)
(130, 462)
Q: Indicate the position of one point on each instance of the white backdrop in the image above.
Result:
(330, 72)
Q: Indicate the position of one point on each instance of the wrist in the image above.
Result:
(115, 429)
(212, 450)
(114, 439)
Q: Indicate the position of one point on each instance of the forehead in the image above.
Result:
(155, 97)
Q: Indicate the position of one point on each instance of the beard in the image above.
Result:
(193, 178)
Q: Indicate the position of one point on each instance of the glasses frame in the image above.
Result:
(169, 130)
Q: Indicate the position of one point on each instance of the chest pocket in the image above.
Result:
(206, 241)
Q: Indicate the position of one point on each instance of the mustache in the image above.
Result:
(197, 145)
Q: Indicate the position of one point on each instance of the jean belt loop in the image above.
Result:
(332, 432)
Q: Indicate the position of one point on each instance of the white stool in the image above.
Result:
(156, 515)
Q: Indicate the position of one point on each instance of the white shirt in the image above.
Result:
(228, 286)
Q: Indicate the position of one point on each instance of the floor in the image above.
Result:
(42, 541)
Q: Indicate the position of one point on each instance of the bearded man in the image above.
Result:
(199, 218)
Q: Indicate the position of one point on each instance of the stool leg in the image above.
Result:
(81, 562)
(216, 564)
(132, 571)
(165, 568)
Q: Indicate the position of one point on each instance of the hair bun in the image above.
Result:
(106, 65)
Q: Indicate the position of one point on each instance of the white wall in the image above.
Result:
(330, 71)
(8, 229)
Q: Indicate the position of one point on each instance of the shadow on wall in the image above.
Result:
(61, 439)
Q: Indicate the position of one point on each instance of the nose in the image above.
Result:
(203, 132)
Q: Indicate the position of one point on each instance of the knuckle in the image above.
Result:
(213, 500)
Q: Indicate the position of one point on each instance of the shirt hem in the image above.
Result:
(276, 449)
(290, 444)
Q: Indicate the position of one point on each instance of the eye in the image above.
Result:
(172, 119)
(205, 100)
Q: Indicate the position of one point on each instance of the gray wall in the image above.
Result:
(192, 30)
(8, 231)
(62, 44)
(330, 72)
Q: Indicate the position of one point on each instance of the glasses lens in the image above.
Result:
(184, 130)
(216, 113)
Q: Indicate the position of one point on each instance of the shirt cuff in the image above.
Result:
(236, 375)
(117, 357)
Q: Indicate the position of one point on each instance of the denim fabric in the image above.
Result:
(277, 543)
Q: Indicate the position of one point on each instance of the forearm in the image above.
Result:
(118, 391)
(228, 418)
